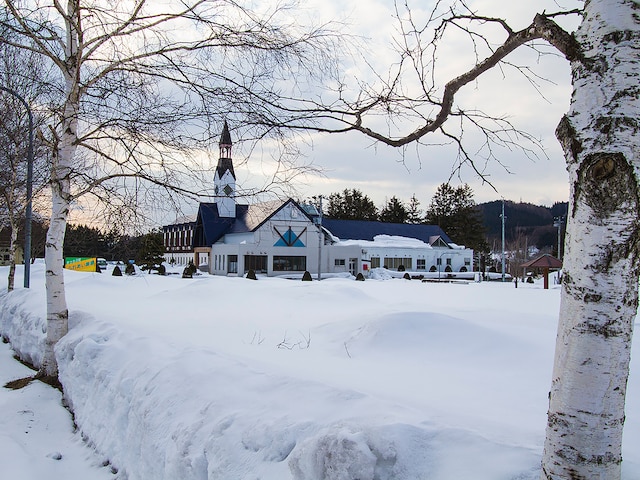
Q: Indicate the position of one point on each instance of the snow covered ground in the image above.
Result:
(229, 378)
(36, 432)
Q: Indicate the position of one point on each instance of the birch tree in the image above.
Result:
(600, 137)
(141, 85)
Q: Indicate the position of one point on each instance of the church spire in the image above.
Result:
(225, 163)
(224, 178)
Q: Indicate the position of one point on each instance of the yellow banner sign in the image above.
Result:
(83, 264)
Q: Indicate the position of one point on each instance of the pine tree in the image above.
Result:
(455, 211)
(351, 205)
(414, 212)
(150, 256)
(394, 212)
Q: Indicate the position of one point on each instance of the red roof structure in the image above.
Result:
(545, 262)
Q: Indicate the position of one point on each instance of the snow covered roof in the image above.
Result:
(387, 241)
(368, 230)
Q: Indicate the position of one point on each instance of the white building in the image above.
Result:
(285, 238)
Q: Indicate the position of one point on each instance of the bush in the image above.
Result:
(401, 268)
(129, 269)
(307, 277)
(162, 270)
(251, 275)
(360, 277)
(406, 276)
(116, 271)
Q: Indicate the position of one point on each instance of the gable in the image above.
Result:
(210, 227)
(289, 211)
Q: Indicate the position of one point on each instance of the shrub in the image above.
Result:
(306, 277)
(129, 269)
(251, 275)
(116, 271)
(360, 277)
(192, 268)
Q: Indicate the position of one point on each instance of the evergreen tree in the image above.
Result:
(414, 212)
(351, 205)
(150, 256)
(394, 212)
(84, 241)
(456, 212)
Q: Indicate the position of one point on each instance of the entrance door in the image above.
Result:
(232, 264)
(353, 266)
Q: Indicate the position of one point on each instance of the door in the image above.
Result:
(353, 266)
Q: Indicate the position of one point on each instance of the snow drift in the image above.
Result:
(278, 379)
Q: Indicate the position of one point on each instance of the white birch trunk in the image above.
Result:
(57, 312)
(600, 287)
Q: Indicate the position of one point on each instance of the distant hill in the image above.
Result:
(529, 222)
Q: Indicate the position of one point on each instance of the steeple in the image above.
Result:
(224, 178)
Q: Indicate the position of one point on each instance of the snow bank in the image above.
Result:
(278, 379)
(23, 322)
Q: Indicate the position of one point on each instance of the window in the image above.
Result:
(421, 264)
(448, 261)
(283, 263)
(394, 263)
(257, 263)
(375, 262)
(439, 261)
(339, 262)
(467, 261)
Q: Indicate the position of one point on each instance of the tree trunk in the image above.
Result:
(12, 253)
(600, 283)
(64, 152)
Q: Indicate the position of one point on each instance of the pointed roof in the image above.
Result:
(225, 164)
(543, 261)
(225, 138)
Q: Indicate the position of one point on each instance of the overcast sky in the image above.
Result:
(353, 161)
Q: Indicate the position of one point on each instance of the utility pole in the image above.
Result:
(558, 221)
(28, 209)
(503, 218)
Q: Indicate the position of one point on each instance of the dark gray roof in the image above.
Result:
(210, 226)
(225, 164)
(366, 230)
(225, 138)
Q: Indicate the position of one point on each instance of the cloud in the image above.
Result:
(352, 161)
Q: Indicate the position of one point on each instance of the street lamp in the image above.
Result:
(28, 211)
